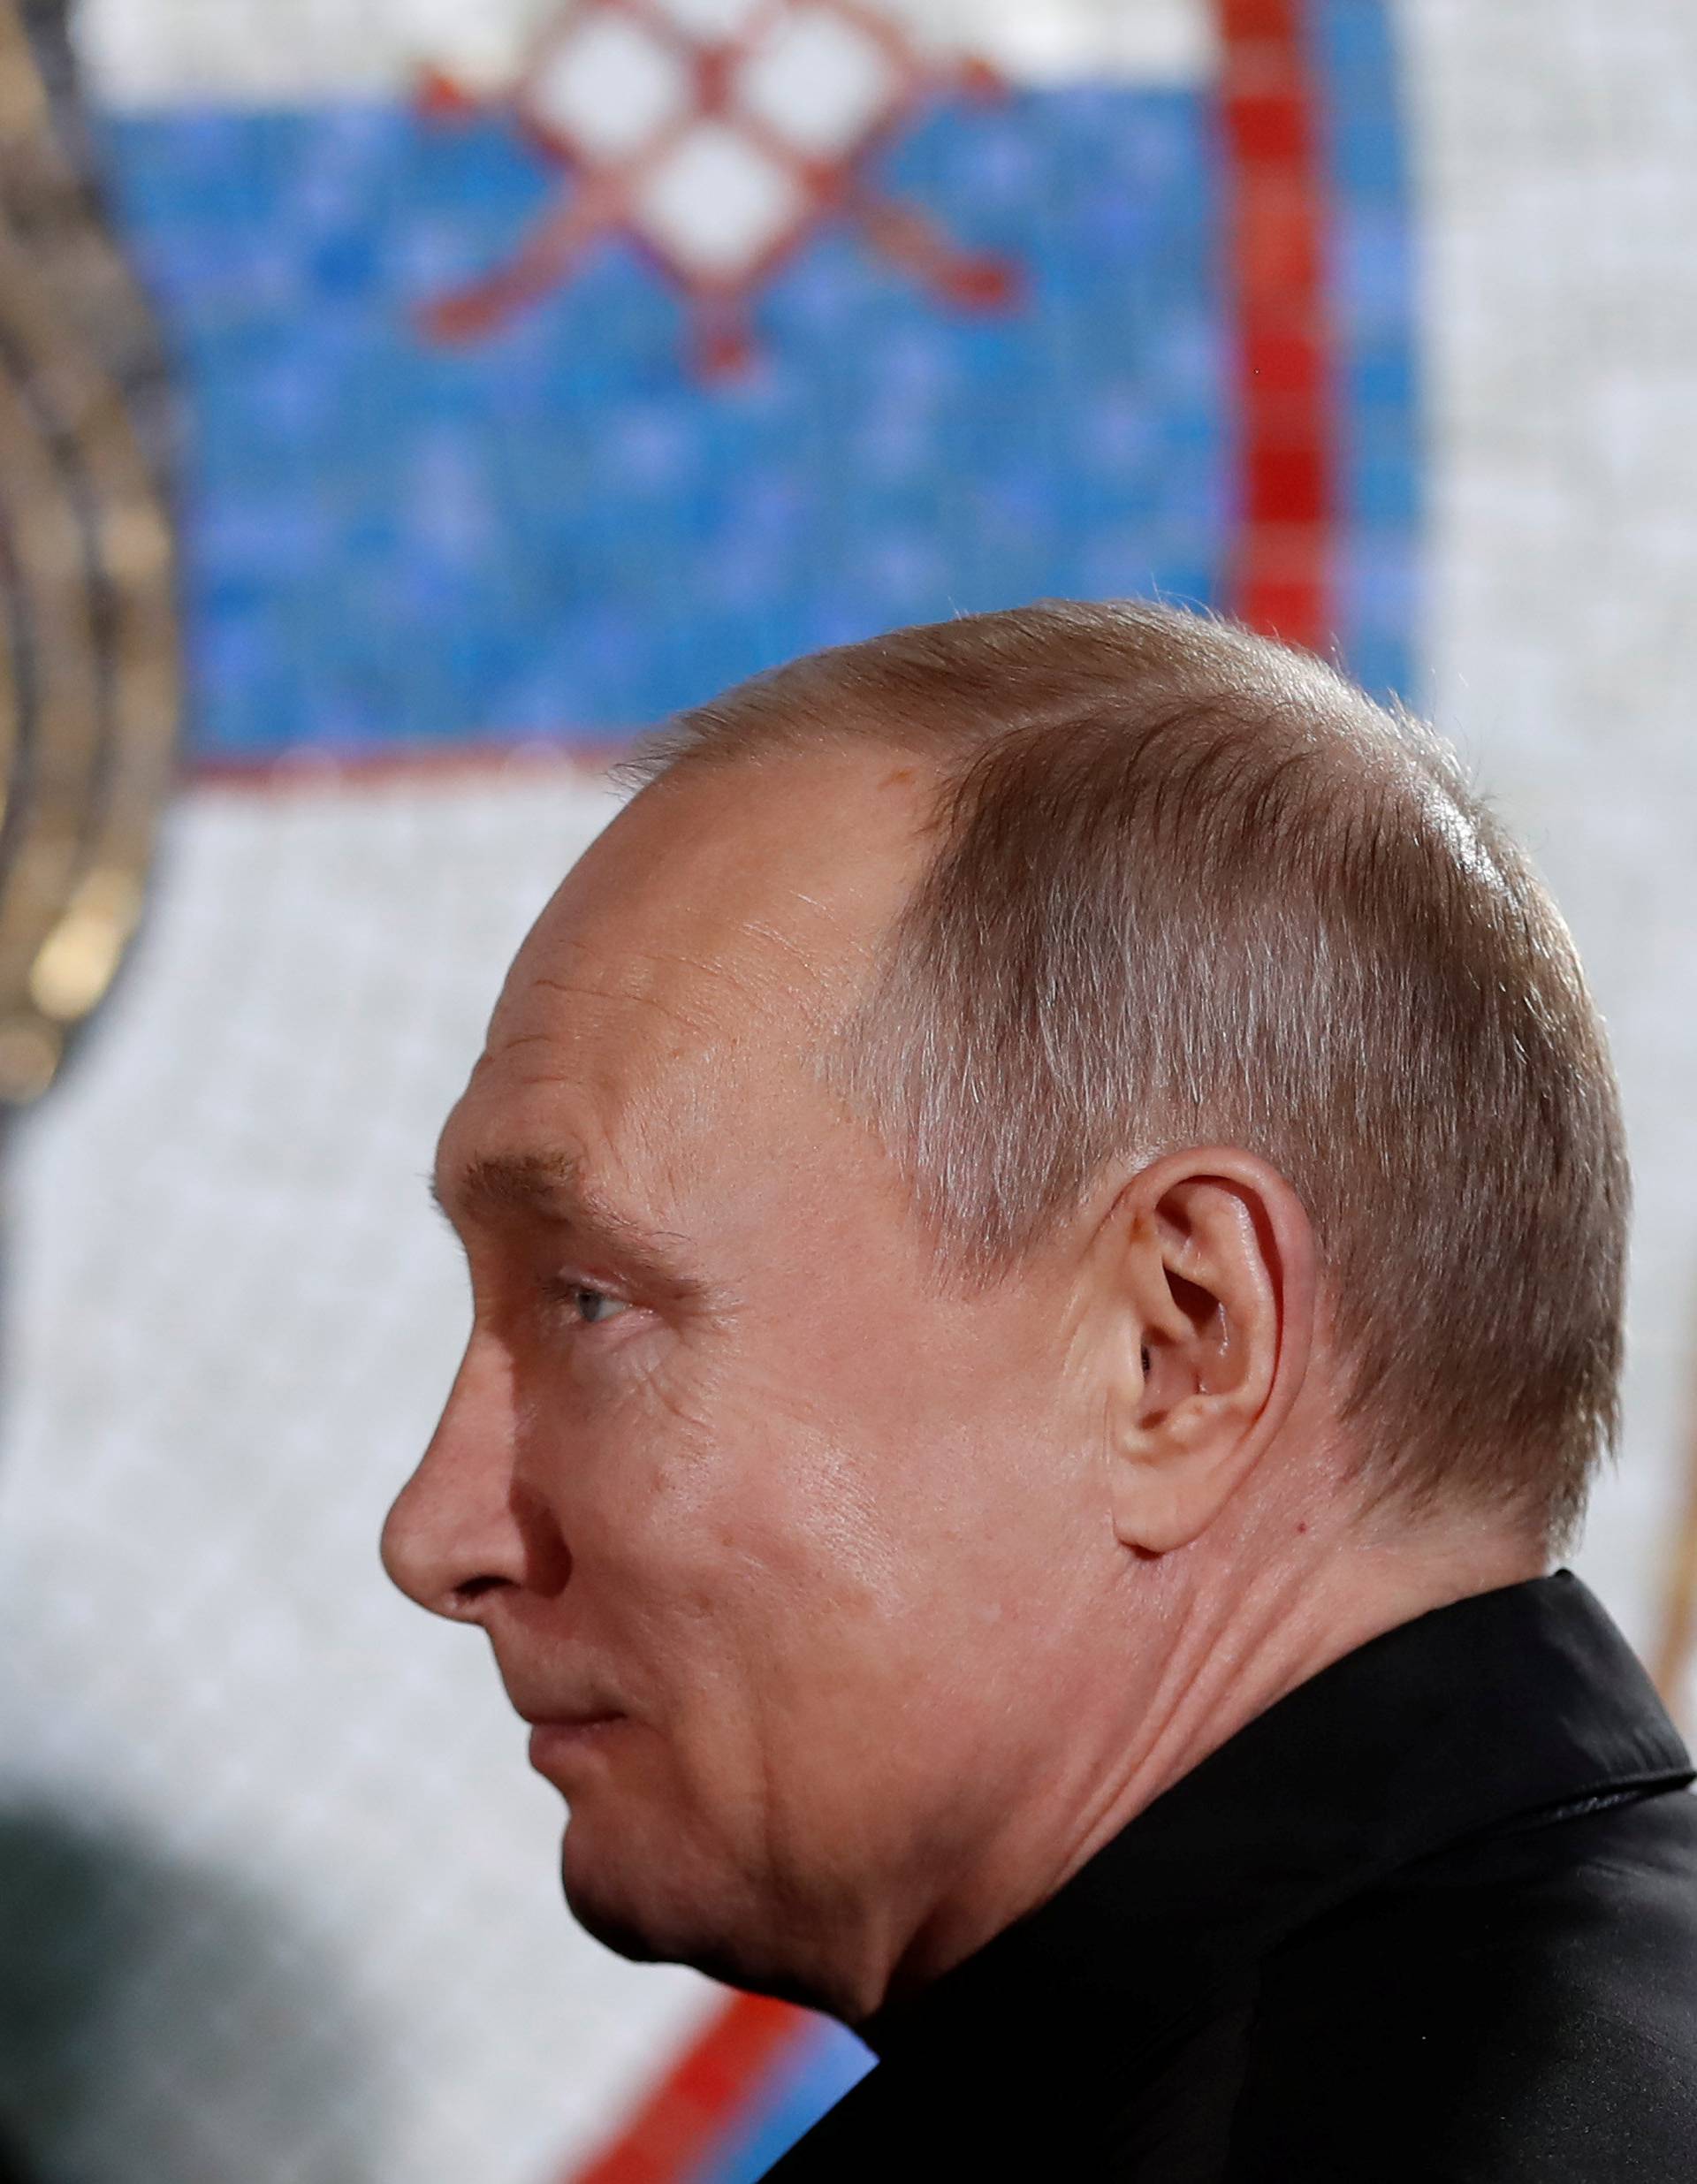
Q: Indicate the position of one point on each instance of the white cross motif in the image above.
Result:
(718, 135)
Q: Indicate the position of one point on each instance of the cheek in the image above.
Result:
(787, 1534)
(804, 1598)
(674, 1488)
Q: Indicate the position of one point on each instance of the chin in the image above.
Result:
(622, 1901)
(614, 1929)
(663, 1925)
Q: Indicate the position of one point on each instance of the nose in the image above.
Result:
(460, 1533)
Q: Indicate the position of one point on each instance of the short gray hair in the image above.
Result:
(1193, 886)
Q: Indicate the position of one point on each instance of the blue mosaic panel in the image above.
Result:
(562, 532)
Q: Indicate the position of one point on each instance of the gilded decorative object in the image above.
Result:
(89, 690)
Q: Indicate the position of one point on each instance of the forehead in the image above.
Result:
(700, 951)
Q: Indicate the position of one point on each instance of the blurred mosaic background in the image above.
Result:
(402, 403)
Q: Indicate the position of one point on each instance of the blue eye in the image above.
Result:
(593, 1306)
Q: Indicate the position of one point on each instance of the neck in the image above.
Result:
(1226, 1642)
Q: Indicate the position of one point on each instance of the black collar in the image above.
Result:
(1490, 1711)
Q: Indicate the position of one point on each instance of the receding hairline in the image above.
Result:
(912, 692)
(1398, 998)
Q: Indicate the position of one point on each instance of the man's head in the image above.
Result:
(1024, 1134)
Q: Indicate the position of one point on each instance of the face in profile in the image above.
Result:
(765, 1520)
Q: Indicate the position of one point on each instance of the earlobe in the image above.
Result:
(1206, 1270)
(1170, 1471)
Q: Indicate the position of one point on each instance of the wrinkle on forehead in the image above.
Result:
(657, 1003)
(734, 902)
(666, 1013)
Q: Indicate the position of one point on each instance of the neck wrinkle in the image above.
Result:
(1238, 1648)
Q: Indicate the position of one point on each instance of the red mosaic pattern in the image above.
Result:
(717, 136)
(1276, 199)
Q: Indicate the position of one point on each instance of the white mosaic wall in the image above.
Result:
(314, 1878)
(142, 52)
(1557, 150)
(310, 1901)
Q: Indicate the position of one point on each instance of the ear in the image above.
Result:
(1203, 1281)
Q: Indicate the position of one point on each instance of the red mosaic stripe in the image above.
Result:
(703, 2092)
(1275, 197)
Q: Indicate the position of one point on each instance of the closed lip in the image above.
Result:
(586, 1718)
(553, 1741)
(564, 1703)
(551, 1709)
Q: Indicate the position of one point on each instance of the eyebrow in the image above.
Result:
(551, 1185)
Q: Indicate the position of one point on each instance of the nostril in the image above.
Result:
(464, 1597)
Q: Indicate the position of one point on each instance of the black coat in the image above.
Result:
(1433, 1916)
